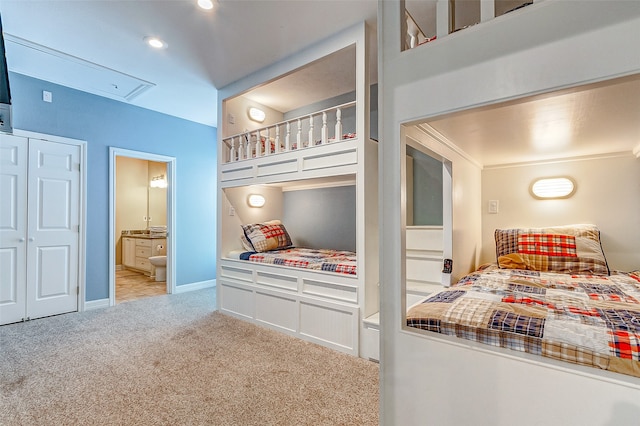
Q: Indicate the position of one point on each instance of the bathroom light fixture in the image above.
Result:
(552, 188)
(155, 42)
(255, 200)
(205, 4)
(256, 114)
(158, 182)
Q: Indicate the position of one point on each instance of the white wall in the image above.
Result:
(238, 108)
(230, 229)
(608, 195)
(550, 45)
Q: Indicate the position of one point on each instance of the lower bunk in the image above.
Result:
(590, 320)
(320, 306)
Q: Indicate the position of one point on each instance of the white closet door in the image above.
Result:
(13, 228)
(53, 231)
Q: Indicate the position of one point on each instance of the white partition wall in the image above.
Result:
(445, 381)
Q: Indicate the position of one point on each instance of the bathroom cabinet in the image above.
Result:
(137, 250)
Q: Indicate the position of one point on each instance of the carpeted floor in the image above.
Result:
(172, 360)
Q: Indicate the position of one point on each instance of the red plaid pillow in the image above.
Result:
(267, 236)
(567, 249)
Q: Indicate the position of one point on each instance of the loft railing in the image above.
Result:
(302, 132)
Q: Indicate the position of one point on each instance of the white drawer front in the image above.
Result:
(143, 263)
(143, 251)
(141, 242)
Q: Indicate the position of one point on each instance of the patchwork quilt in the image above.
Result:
(343, 262)
(591, 320)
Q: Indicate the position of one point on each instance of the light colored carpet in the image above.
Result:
(172, 360)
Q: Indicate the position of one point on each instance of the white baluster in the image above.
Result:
(258, 144)
(299, 135)
(240, 148)
(277, 138)
(248, 153)
(311, 141)
(287, 138)
(232, 150)
(267, 143)
(325, 130)
(338, 124)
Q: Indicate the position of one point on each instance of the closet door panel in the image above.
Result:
(13, 227)
(53, 237)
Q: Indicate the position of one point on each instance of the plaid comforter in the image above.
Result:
(583, 319)
(343, 262)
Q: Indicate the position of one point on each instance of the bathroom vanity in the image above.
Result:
(137, 248)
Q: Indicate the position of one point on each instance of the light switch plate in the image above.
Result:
(494, 206)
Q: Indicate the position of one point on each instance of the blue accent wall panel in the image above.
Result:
(103, 123)
(322, 217)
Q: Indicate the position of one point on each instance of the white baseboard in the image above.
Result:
(96, 304)
(195, 286)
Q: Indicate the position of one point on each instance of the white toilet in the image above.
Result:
(160, 263)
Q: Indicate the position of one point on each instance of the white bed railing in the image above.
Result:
(301, 132)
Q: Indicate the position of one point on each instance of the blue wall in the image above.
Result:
(104, 123)
(322, 217)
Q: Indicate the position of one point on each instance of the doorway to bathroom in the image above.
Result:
(141, 224)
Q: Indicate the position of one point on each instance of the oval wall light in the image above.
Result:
(552, 188)
(256, 200)
(256, 114)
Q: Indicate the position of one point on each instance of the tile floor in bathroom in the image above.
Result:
(132, 285)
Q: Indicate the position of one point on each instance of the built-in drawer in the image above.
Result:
(143, 263)
(143, 251)
(141, 242)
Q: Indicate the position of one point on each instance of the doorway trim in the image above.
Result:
(171, 214)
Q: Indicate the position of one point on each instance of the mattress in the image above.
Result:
(342, 262)
(591, 320)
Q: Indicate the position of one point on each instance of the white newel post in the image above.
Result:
(338, 124)
(311, 142)
(287, 138)
(299, 135)
(325, 132)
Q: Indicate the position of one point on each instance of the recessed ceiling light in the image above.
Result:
(205, 4)
(155, 42)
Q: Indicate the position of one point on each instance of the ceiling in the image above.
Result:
(97, 45)
(594, 119)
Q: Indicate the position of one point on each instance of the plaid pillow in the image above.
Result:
(567, 249)
(267, 236)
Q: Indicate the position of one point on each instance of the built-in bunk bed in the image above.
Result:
(540, 324)
(297, 198)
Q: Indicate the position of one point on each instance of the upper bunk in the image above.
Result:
(305, 117)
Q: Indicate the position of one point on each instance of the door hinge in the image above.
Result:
(78, 290)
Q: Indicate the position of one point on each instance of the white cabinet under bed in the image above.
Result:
(316, 306)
